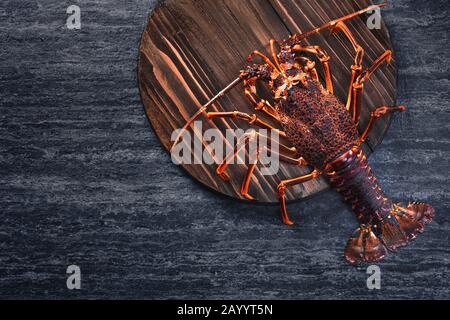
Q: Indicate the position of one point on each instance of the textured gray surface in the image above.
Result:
(84, 181)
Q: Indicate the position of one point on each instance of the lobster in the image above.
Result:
(324, 135)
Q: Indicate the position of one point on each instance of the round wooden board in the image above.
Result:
(191, 49)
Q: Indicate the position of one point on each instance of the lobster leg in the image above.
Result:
(264, 57)
(383, 224)
(246, 183)
(364, 245)
(324, 59)
(243, 142)
(358, 85)
(252, 119)
(257, 72)
(379, 112)
(289, 183)
(357, 65)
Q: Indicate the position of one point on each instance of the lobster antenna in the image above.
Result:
(334, 22)
(205, 107)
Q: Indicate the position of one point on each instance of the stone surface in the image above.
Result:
(83, 179)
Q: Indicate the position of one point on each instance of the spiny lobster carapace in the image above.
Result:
(324, 135)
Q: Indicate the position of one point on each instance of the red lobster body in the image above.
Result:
(324, 134)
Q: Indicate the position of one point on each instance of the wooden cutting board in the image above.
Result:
(191, 49)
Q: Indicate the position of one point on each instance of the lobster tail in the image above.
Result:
(384, 225)
(355, 247)
(419, 212)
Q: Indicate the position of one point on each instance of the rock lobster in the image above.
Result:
(324, 134)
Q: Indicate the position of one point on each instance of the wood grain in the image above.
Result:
(190, 50)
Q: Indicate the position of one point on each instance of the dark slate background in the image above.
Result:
(84, 180)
